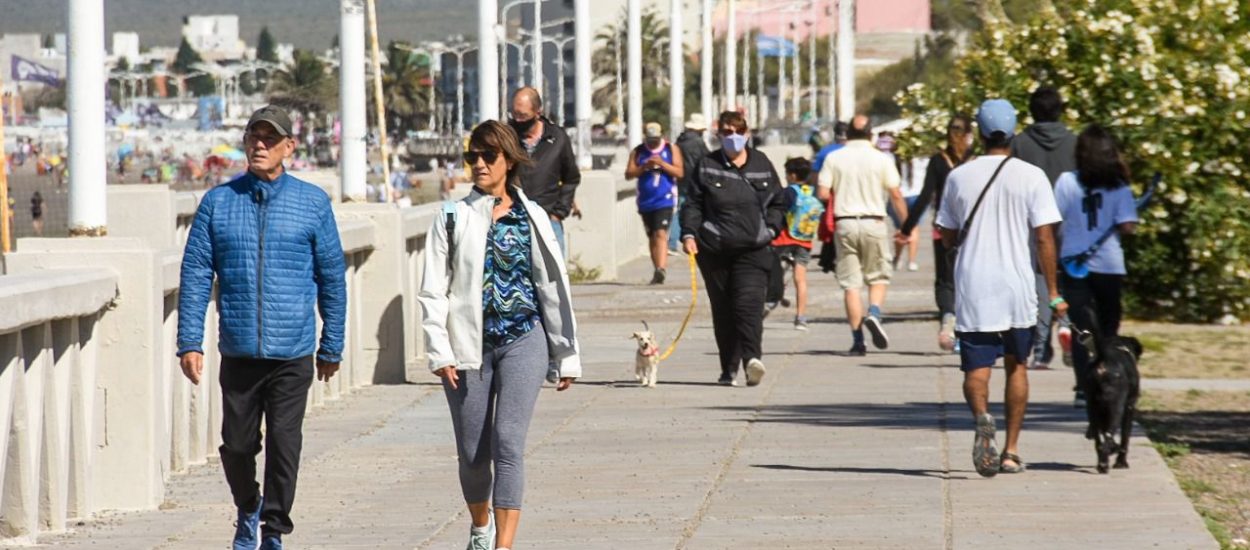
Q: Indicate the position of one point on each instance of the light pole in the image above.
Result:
(353, 163)
(746, 69)
(795, 105)
(811, 65)
(488, 60)
(503, 46)
(459, 52)
(846, 59)
(705, 73)
(831, 97)
(581, 65)
(676, 70)
(782, 40)
(560, 45)
(731, 57)
(88, 216)
(634, 42)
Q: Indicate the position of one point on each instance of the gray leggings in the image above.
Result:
(491, 413)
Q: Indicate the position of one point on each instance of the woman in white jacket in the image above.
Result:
(496, 300)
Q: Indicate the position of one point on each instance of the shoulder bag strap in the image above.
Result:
(963, 232)
(449, 220)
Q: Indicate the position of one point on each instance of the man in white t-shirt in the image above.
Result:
(861, 179)
(995, 293)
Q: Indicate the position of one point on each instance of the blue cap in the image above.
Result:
(997, 115)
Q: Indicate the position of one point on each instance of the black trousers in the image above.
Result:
(736, 286)
(943, 279)
(1094, 299)
(278, 391)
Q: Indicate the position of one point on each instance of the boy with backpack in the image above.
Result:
(803, 217)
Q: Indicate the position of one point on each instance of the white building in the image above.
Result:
(126, 45)
(215, 37)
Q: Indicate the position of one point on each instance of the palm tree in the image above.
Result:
(304, 86)
(603, 62)
(406, 88)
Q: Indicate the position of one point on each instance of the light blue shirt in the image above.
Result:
(1117, 206)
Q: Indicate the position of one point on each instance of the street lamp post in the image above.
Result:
(634, 42)
(560, 44)
(705, 73)
(731, 57)
(811, 65)
(846, 59)
(581, 64)
(676, 70)
(88, 216)
(488, 60)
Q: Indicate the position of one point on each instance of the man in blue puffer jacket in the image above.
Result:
(272, 244)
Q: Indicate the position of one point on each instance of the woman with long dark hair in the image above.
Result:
(1095, 200)
(497, 307)
(958, 150)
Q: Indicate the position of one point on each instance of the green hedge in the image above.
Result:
(1170, 78)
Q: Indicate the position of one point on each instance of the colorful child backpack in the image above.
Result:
(803, 219)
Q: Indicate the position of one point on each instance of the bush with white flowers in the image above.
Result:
(1171, 80)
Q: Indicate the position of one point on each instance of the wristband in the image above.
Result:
(1055, 303)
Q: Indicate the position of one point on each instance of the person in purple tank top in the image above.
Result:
(657, 165)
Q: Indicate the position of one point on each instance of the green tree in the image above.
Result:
(406, 89)
(654, 74)
(304, 85)
(266, 48)
(1167, 77)
(184, 61)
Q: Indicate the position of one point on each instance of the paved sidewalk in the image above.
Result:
(829, 452)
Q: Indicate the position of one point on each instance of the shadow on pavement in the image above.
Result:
(1211, 431)
(851, 470)
(1052, 417)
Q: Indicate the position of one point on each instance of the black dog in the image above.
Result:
(1112, 386)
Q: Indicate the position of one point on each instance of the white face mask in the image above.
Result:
(733, 144)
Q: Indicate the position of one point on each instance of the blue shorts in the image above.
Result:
(979, 350)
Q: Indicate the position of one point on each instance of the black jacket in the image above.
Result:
(731, 210)
(934, 183)
(1049, 146)
(693, 149)
(552, 180)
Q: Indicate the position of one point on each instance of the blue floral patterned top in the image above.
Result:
(509, 302)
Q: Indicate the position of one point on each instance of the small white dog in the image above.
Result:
(647, 360)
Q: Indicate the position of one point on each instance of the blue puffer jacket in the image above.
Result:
(274, 248)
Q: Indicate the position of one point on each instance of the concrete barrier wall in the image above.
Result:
(95, 412)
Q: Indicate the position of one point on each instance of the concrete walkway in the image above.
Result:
(829, 452)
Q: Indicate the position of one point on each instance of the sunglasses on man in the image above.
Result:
(727, 131)
(470, 157)
(270, 140)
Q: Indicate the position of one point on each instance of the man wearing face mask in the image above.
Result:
(735, 208)
(551, 180)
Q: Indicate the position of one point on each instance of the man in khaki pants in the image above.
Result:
(861, 178)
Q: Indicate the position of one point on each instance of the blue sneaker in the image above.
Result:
(247, 528)
(482, 538)
(272, 542)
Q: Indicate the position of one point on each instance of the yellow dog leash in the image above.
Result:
(694, 298)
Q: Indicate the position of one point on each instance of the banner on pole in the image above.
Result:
(775, 46)
(26, 70)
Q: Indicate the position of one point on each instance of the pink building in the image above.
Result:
(871, 17)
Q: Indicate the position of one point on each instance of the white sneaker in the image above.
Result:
(482, 539)
(913, 266)
(946, 334)
(755, 372)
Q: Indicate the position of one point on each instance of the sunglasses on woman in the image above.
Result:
(470, 157)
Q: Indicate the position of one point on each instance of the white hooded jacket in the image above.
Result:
(451, 303)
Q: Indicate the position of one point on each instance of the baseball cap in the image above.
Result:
(273, 115)
(653, 130)
(997, 115)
